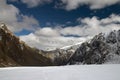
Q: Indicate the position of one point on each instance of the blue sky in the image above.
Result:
(49, 15)
(63, 20)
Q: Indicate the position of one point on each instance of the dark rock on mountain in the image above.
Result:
(100, 49)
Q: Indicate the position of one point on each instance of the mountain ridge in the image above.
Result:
(17, 52)
(100, 49)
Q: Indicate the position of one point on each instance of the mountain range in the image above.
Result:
(101, 49)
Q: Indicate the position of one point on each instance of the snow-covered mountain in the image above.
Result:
(101, 49)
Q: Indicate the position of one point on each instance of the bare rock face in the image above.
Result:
(14, 52)
(101, 49)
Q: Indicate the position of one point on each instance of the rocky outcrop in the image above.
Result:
(101, 49)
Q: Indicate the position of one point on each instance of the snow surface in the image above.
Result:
(78, 72)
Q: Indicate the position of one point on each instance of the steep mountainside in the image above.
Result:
(101, 49)
(14, 52)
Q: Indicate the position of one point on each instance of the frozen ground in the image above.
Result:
(78, 72)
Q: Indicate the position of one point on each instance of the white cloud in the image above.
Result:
(33, 3)
(95, 25)
(52, 38)
(47, 32)
(71, 30)
(70, 4)
(50, 43)
(11, 16)
(49, 39)
(94, 4)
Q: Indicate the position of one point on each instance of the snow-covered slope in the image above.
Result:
(83, 72)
